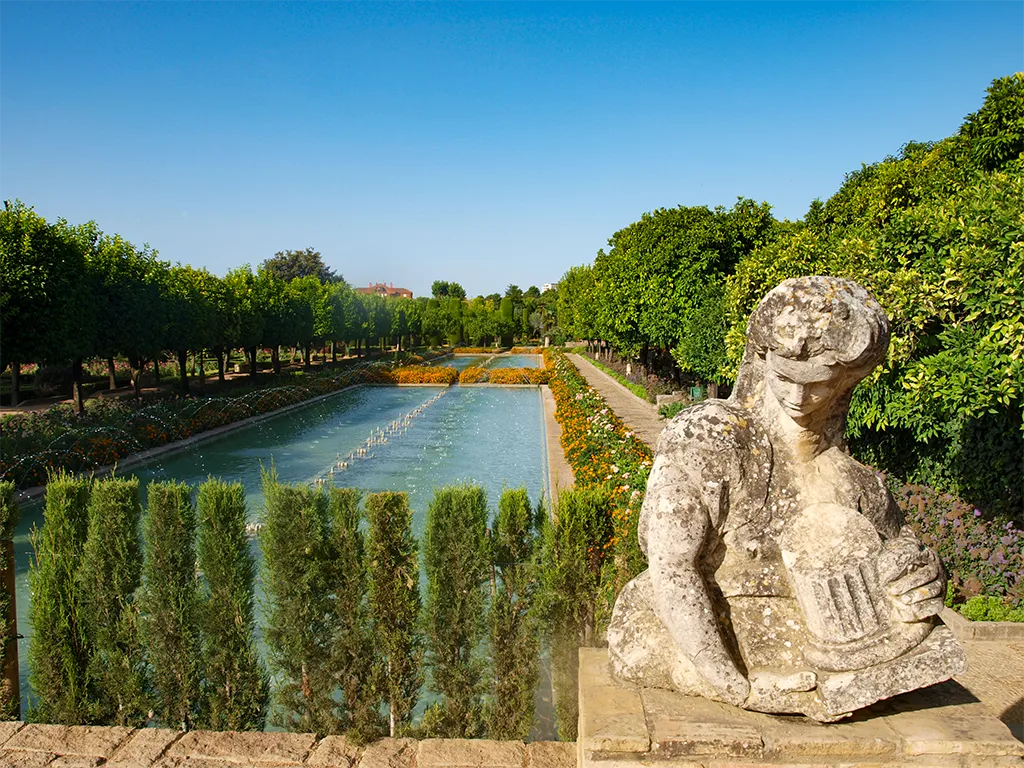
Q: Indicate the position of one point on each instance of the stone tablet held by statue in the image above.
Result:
(781, 577)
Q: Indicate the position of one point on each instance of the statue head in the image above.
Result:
(809, 342)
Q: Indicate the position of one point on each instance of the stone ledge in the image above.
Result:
(944, 725)
(59, 746)
(965, 629)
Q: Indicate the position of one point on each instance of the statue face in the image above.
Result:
(802, 388)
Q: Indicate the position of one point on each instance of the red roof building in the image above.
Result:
(388, 291)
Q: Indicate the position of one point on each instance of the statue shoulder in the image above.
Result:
(711, 425)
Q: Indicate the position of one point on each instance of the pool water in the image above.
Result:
(409, 439)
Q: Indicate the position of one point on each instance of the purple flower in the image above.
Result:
(977, 512)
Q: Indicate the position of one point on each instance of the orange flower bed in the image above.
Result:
(473, 375)
(603, 451)
(519, 376)
(526, 350)
(426, 375)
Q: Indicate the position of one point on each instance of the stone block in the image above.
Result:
(334, 752)
(252, 748)
(16, 758)
(786, 738)
(69, 740)
(551, 754)
(389, 753)
(935, 722)
(143, 748)
(9, 728)
(611, 716)
(470, 753)
(690, 725)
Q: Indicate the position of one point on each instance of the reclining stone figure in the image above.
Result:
(781, 577)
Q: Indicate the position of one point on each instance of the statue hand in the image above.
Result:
(913, 577)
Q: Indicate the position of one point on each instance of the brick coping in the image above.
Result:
(33, 744)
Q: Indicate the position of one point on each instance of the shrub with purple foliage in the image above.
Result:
(983, 557)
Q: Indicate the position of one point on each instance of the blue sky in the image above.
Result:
(484, 143)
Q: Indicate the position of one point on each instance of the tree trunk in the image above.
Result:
(220, 354)
(156, 369)
(202, 369)
(252, 363)
(110, 373)
(15, 382)
(76, 388)
(275, 360)
(334, 352)
(309, 357)
(183, 370)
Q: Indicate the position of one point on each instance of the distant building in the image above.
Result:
(548, 287)
(388, 291)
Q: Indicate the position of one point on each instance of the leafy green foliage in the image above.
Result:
(455, 561)
(354, 655)
(302, 620)
(236, 685)
(59, 653)
(109, 574)
(169, 602)
(288, 265)
(990, 609)
(514, 635)
(572, 561)
(394, 603)
(9, 516)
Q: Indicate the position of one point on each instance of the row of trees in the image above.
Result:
(935, 233)
(70, 293)
(127, 628)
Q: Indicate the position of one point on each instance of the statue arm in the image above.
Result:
(678, 526)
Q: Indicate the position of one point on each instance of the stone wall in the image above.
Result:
(30, 745)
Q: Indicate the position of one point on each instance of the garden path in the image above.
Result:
(639, 415)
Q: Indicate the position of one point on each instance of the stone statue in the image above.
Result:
(781, 576)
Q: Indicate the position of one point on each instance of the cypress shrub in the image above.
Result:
(354, 651)
(59, 653)
(235, 686)
(169, 602)
(301, 620)
(572, 559)
(10, 700)
(109, 575)
(456, 561)
(514, 643)
(394, 591)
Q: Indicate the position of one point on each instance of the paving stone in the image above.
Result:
(864, 737)
(71, 740)
(16, 758)
(334, 752)
(551, 754)
(389, 753)
(611, 717)
(934, 722)
(690, 725)
(470, 753)
(143, 748)
(8, 728)
(245, 747)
